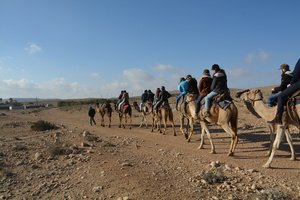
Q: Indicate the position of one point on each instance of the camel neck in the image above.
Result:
(263, 110)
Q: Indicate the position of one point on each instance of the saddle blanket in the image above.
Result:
(224, 104)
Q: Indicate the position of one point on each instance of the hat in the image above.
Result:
(188, 76)
(286, 67)
(206, 72)
(215, 67)
(162, 87)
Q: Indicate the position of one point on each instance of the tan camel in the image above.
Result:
(126, 112)
(164, 113)
(254, 102)
(227, 119)
(188, 115)
(146, 110)
(103, 109)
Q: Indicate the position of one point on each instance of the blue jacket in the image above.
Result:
(296, 73)
(183, 86)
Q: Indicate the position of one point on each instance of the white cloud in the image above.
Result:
(19, 84)
(94, 74)
(32, 48)
(260, 56)
(164, 68)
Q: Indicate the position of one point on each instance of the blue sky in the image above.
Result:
(96, 48)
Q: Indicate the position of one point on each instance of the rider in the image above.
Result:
(119, 99)
(218, 86)
(124, 100)
(163, 97)
(144, 99)
(282, 97)
(150, 96)
(203, 88)
(286, 77)
(183, 89)
(192, 88)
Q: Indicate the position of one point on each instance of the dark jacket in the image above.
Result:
(286, 78)
(150, 96)
(296, 73)
(193, 86)
(219, 83)
(204, 85)
(144, 97)
(92, 112)
(164, 96)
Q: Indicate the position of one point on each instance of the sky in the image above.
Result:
(96, 48)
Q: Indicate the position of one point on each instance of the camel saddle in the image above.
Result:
(291, 107)
(222, 100)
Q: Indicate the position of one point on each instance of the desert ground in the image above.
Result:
(79, 161)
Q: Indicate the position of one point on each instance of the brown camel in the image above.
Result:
(103, 109)
(146, 110)
(126, 112)
(227, 119)
(254, 102)
(164, 113)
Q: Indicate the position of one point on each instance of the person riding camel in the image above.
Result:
(192, 88)
(163, 97)
(144, 99)
(150, 96)
(283, 96)
(124, 100)
(286, 77)
(218, 86)
(119, 100)
(203, 88)
(183, 89)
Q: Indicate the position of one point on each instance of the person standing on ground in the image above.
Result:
(91, 114)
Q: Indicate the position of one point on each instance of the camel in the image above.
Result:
(164, 113)
(254, 102)
(146, 110)
(103, 109)
(125, 112)
(189, 115)
(227, 119)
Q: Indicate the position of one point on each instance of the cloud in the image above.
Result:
(164, 68)
(94, 74)
(19, 84)
(261, 56)
(32, 48)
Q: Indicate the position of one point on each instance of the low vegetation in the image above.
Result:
(42, 125)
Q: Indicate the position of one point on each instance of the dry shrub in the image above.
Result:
(213, 176)
(42, 125)
(272, 194)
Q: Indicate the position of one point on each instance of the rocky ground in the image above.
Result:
(79, 161)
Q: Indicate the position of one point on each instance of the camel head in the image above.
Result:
(251, 95)
(190, 97)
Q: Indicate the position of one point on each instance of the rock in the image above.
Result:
(37, 156)
(126, 164)
(97, 188)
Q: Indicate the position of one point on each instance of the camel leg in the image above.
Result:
(289, 140)
(120, 118)
(272, 137)
(280, 130)
(191, 124)
(205, 129)
(109, 121)
(201, 139)
(130, 121)
(234, 138)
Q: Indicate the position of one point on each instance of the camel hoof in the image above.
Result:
(266, 166)
(119, 126)
(186, 136)
(213, 152)
(175, 134)
(200, 147)
(129, 127)
(108, 126)
(230, 154)
(292, 158)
